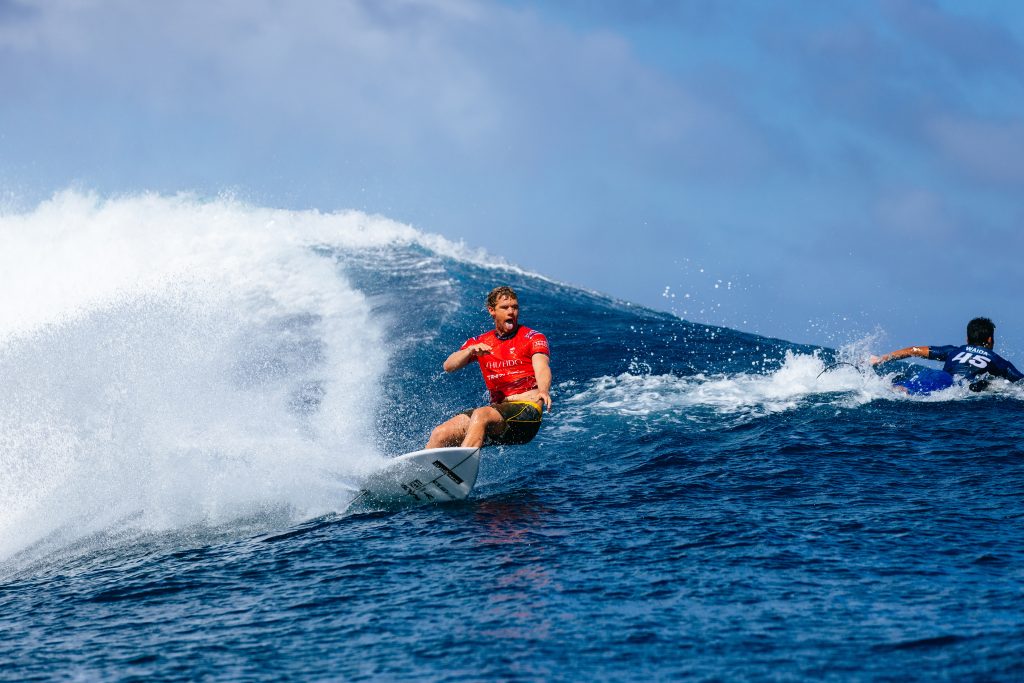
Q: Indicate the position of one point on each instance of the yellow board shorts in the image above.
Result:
(522, 420)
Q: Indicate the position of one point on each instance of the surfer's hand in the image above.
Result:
(477, 350)
(463, 357)
(545, 398)
(875, 360)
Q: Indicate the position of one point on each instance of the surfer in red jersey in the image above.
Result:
(514, 362)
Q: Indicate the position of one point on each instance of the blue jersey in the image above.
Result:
(971, 362)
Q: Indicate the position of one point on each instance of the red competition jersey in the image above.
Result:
(508, 368)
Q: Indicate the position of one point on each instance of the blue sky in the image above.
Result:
(833, 167)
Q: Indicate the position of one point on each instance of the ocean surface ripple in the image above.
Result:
(195, 388)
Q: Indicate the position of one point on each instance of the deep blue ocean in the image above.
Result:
(194, 389)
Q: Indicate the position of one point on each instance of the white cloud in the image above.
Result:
(409, 75)
(353, 64)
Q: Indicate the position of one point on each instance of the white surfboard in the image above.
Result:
(429, 476)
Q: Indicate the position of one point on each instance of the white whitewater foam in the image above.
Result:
(802, 377)
(170, 362)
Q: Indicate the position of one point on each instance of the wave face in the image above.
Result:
(193, 389)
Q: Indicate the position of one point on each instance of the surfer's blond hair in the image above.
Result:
(500, 293)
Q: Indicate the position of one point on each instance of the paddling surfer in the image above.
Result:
(971, 361)
(514, 360)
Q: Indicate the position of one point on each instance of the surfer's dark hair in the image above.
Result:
(500, 293)
(980, 330)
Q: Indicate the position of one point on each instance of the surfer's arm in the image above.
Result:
(918, 351)
(464, 357)
(542, 371)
